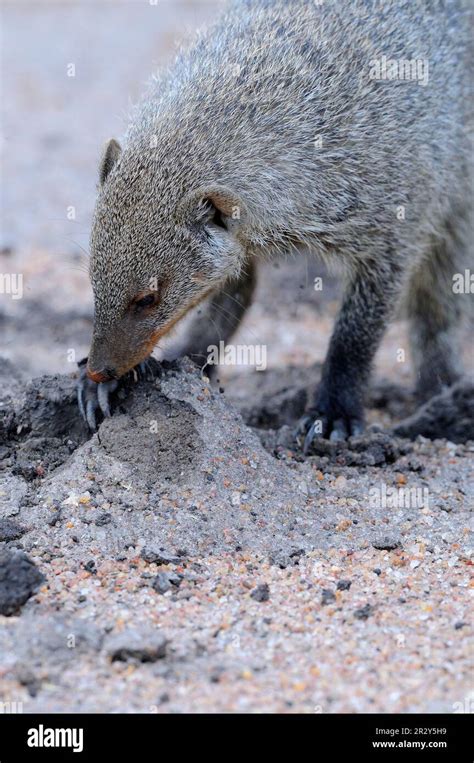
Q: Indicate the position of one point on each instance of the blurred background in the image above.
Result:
(70, 71)
(69, 74)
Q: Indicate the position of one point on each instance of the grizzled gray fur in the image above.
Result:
(273, 132)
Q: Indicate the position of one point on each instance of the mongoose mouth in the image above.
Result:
(108, 374)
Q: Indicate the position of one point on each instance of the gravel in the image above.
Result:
(285, 599)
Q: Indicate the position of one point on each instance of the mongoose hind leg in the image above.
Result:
(218, 319)
(435, 313)
(338, 409)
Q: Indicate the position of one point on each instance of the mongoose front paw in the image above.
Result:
(93, 397)
(330, 418)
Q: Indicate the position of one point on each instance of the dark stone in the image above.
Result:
(216, 674)
(284, 560)
(297, 553)
(55, 518)
(165, 580)
(344, 585)
(364, 612)
(155, 556)
(386, 543)
(136, 646)
(27, 678)
(328, 597)
(10, 530)
(261, 592)
(103, 519)
(19, 579)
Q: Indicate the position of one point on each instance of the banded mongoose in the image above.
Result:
(342, 126)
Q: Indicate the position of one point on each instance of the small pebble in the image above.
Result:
(344, 585)
(261, 592)
(328, 597)
(364, 612)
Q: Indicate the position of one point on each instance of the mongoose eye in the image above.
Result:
(142, 302)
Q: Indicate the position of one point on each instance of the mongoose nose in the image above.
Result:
(101, 376)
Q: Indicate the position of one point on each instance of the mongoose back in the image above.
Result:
(340, 126)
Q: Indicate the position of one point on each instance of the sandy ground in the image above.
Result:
(211, 568)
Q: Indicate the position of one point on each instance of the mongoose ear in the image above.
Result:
(110, 157)
(213, 206)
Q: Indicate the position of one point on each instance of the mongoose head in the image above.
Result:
(158, 247)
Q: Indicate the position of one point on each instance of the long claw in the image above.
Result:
(336, 430)
(104, 391)
(90, 415)
(80, 401)
(317, 429)
(92, 397)
(302, 427)
(308, 440)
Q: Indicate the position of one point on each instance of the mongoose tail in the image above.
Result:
(280, 128)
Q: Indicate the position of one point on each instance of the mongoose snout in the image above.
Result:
(101, 376)
(341, 127)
